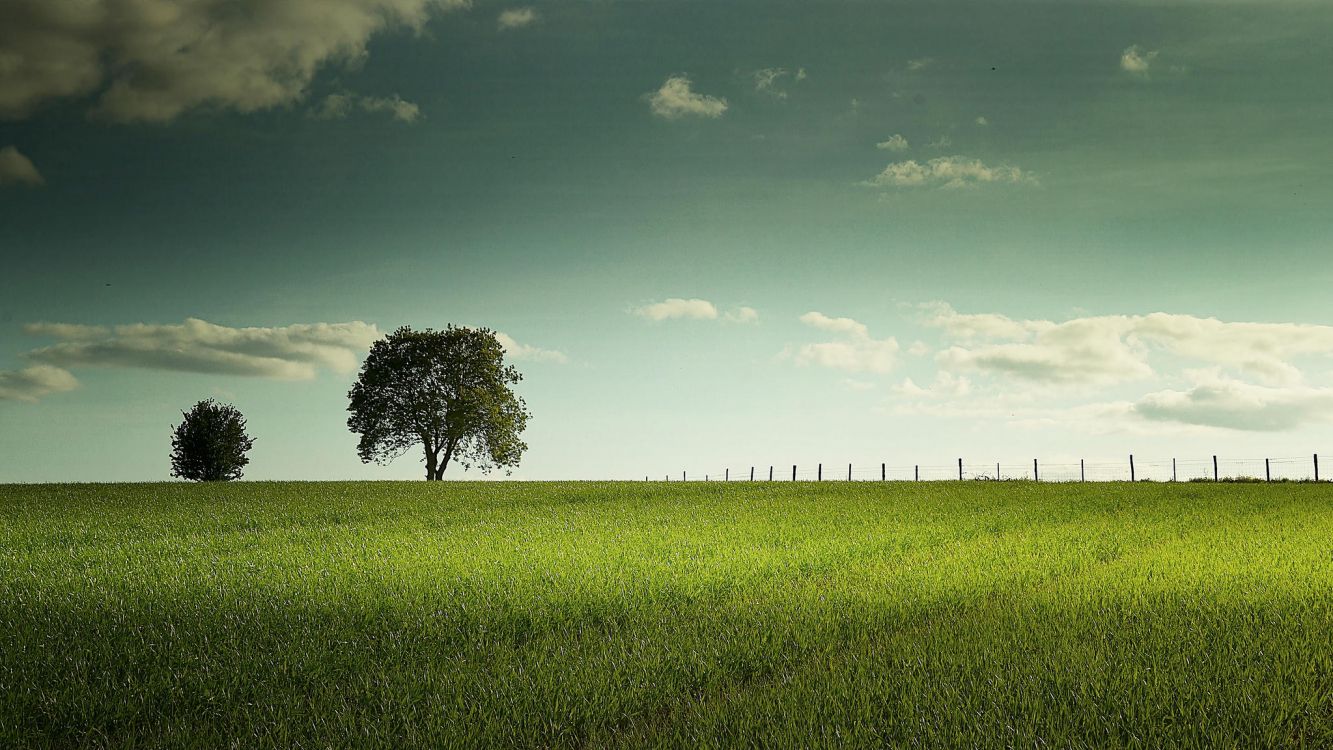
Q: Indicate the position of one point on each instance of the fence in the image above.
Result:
(1214, 468)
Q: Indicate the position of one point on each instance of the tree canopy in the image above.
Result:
(210, 443)
(448, 391)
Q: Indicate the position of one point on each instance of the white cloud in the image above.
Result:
(514, 18)
(767, 80)
(743, 315)
(1236, 405)
(836, 325)
(676, 99)
(942, 142)
(946, 385)
(948, 172)
(397, 107)
(1020, 361)
(339, 106)
(920, 63)
(152, 60)
(529, 353)
(895, 142)
(853, 351)
(1136, 61)
(982, 121)
(1077, 352)
(294, 352)
(676, 308)
(17, 169)
(1115, 348)
(32, 383)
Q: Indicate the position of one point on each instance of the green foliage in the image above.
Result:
(564, 615)
(209, 445)
(448, 391)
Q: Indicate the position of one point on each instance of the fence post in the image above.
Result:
(751, 473)
(960, 469)
(682, 476)
(1035, 476)
(770, 472)
(1316, 467)
(1132, 478)
(1268, 473)
(883, 472)
(1173, 469)
(1082, 473)
(793, 472)
(849, 472)
(819, 473)
(997, 471)
(727, 476)
(1214, 468)
(916, 472)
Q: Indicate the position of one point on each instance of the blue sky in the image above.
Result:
(715, 233)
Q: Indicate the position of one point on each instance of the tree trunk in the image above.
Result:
(448, 454)
(431, 474)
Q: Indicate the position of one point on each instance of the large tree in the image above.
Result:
(448, 391)
(210, 443)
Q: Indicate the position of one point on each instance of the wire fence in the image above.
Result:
(1132, 469)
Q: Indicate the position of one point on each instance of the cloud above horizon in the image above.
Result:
(1116, 348)
(153, 60)
(1050, 360)
(949, 172)
(530, 353)
(17, 169)
(852, 350)
(295, 352)
(1137, 61)
(516, 18)
(676, 99)
(1236, 405)
(339, 106)
(32, 383)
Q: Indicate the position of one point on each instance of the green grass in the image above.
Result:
(703, 615)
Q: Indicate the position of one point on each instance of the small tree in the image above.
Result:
(210, 443)
(448, 391)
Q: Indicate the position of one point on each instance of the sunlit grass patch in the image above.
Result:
(618, 614)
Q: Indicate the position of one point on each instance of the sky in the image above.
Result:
(712, 235)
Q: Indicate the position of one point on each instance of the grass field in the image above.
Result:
(692, 615)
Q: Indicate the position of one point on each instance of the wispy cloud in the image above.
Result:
(32, 383)
(894, 142)
(339, 106)
(530, 353)
(154, 61)
(743, 315)
(852, 350)
(17, 169)
(948, 172)
(769, 80)
(676, 99)
(676, 308)
(920, 63)
(294, 352)
(1137, 61)
(514, 18)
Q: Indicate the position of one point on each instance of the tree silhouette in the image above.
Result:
(210, 443)
(448, 391)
